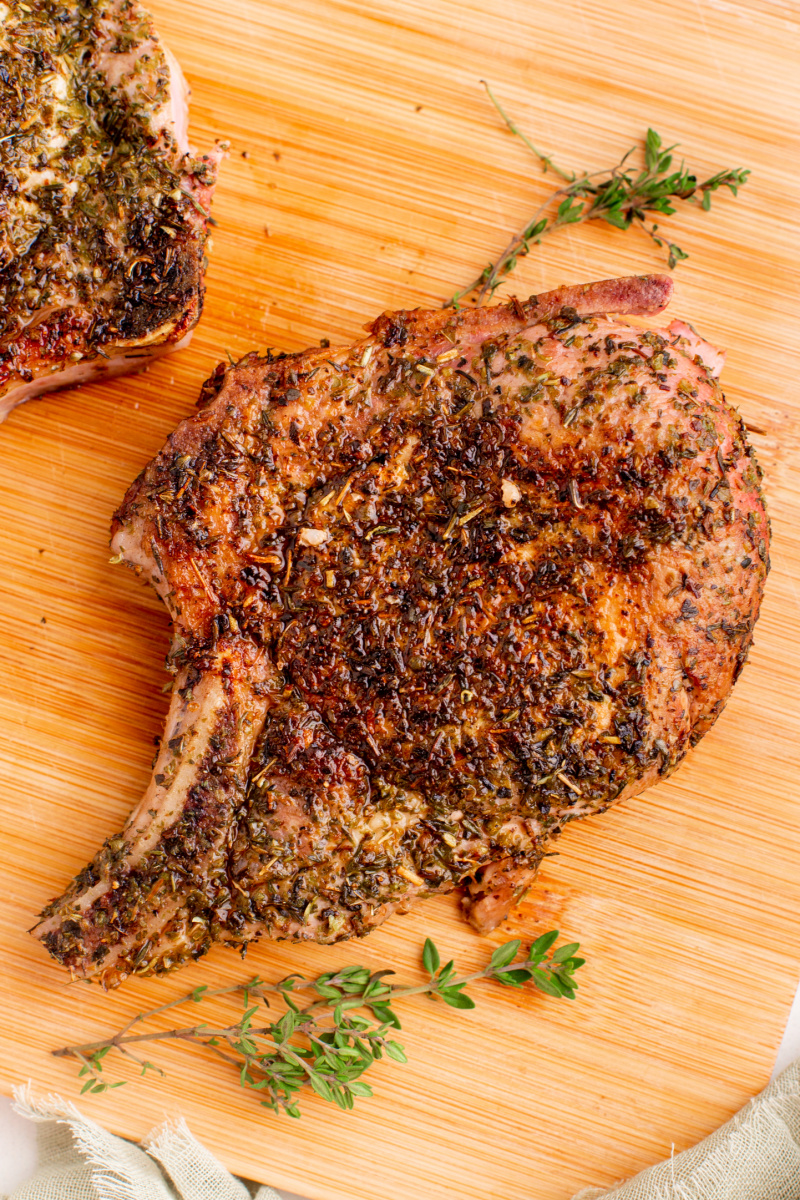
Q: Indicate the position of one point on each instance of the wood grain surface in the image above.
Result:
(368, 171)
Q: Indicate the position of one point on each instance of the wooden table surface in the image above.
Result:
(369, 171)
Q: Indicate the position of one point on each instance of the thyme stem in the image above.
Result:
(545, 159)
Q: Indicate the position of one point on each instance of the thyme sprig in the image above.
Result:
(329, 1042)
(621, 195)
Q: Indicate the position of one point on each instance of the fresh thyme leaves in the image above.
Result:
(621, 195)
(328, 1043)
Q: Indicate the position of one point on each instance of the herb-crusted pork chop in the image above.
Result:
(434, 595)
(103, 211)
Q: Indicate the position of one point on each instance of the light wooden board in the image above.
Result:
(377, 175)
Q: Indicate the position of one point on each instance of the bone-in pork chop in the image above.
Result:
(103, 211)
(434, 595)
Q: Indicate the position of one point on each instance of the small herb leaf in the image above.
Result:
(542, 945)
(456, 999)
(564, 952)
(430, 957)
(503, 955)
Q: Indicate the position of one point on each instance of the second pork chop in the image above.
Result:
(103, 210)
(434, 595)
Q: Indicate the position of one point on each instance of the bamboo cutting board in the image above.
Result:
(369, 171)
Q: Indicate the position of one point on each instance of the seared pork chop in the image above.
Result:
(103, 211)
(434, 596)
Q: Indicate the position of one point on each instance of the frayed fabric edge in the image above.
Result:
(708, 1162)
(175, 1136)
(109, 1170)
(169, 1136)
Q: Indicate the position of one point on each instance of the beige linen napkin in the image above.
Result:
(79, 1160)
(755, 1156)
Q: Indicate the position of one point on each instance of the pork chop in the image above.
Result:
(103, 210)
(434, 596)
